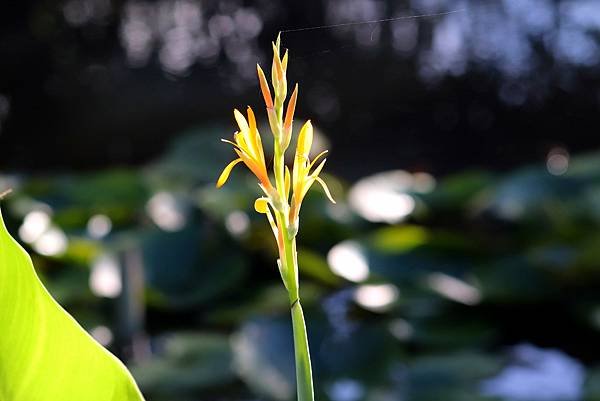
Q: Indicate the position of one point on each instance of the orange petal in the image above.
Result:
(251, 119)
(249, 162)
(226, 171)
(259, 171)
(264, 87)
(289, 114)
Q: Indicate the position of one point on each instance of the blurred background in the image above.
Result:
(461, 262)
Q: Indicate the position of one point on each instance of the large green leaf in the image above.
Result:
(44, 354)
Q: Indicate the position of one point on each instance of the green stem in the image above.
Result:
(303, 369)
(289, 262)
(304, 380)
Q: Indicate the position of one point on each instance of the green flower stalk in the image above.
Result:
(282, 201)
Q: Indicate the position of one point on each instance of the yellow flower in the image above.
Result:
(302, 178)
(248, 147)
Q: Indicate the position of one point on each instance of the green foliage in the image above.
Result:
(44, 354)
(525, 244)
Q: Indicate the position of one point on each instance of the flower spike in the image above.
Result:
(283, 199)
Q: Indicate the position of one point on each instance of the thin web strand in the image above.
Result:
(344, 24)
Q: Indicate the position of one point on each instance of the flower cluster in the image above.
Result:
(281, 207)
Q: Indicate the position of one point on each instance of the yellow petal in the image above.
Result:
(305, 139)
(241, 120)
(278, 68)
(284, 61)
(303, 145)
(226, 171)
(254, 135)
(240, 139)
(235, 145)
(317, 158)
(325, 188)
(318, 169)
(309, 180)
(261, 205)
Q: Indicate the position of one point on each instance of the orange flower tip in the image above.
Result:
(264, 87)
(289, 114)
(284, 60)
(277, 61)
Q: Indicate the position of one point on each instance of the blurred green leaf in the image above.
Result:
(191, 266)
(452, 377)
(188, 364)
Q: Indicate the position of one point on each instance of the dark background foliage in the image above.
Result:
(494, 85)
